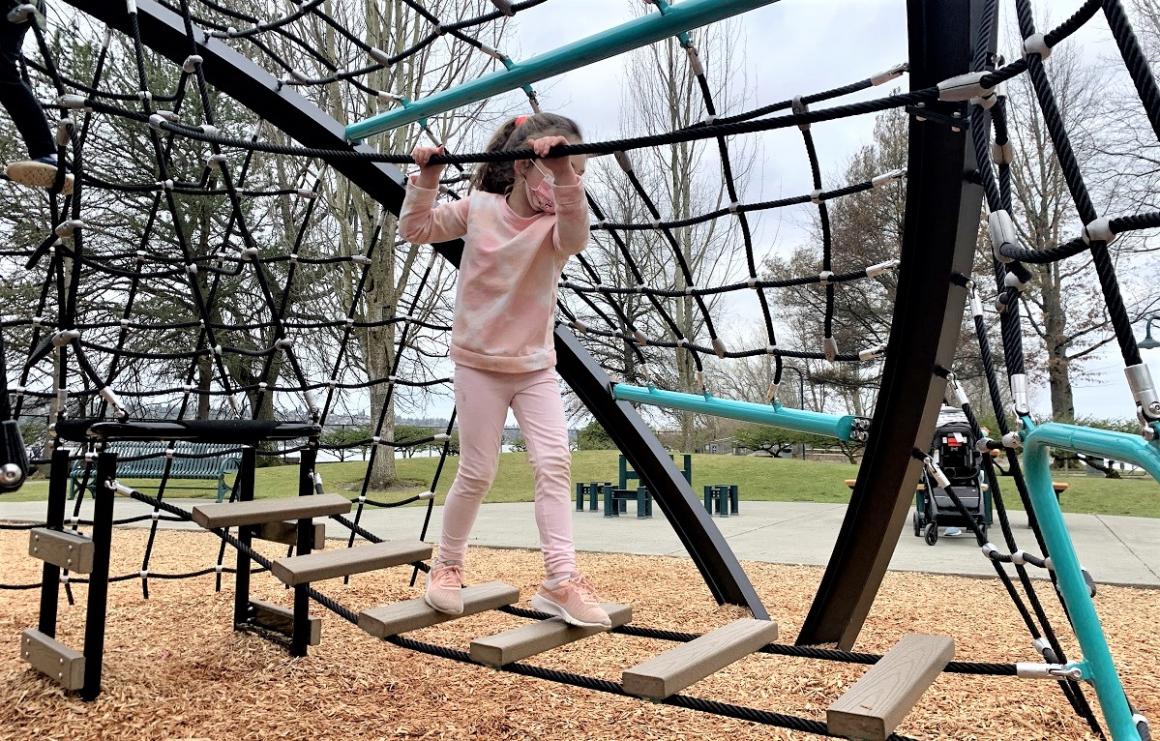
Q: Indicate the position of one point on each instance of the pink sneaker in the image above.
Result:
(575, 601)
(445, 589)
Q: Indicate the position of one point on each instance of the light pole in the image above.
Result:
(802, 396)
(1148, 343)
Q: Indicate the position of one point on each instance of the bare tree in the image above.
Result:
(393, 284)
(1066, 310)
(683, 180)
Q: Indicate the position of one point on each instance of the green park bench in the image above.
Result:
(212, 463)
(627, 474)
(723, 498)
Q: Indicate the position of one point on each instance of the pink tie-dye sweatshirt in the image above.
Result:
(506, 300)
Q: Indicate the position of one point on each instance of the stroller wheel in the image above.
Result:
(914, 518)
(931, 533)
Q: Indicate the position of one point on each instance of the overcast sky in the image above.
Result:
(789, 48)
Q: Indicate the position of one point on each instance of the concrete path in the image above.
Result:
(1116, 550)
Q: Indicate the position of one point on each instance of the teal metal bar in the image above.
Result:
(776, 415)
(636, 33)
(1097, 657)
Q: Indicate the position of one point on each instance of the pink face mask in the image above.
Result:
(542, 198)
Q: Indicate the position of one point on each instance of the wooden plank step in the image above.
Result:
(529, 640)
(690, 662)
(66, 550)
(403, 617)
(286, 533)
(50, 656)
(345, 561)
(260, 511)
(281, 620)
(877, 703)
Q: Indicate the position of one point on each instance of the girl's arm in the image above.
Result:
(571, 234)
(420, 220)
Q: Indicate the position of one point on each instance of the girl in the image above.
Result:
(39, 171)
(519, 227)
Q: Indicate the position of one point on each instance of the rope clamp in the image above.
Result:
(21, 14)
(695, 65)
(1098, 230)
(1144, 392)
(1020, 395)
(935, 472)
(65, 229)
(1055, 672)
(830, 348)
(1002, 154)
(189, 66)
(896, 71)
(1011, 280)
(888, 177)
(1002, 232)
(771, 393)
(964, 87)
(1036, 44)
(825, 277)
(872, 353)
(800, 109)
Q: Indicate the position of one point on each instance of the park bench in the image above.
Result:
(615, 499)
(724, 499)
(146, 460)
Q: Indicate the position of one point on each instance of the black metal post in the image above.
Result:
(50, 574)
(943, 207)
(95, 615)
(245, 490)
(301, 637)
(801, 398)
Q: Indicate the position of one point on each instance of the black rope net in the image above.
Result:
(208, 266)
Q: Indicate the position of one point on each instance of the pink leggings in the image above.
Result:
(482, 399)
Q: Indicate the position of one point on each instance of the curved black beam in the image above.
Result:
(942, 221)
(164, 32)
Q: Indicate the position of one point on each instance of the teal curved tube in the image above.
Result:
(625, 37)
(775, 415)
(1097, 663)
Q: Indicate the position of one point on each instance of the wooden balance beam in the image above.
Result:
(872, 708)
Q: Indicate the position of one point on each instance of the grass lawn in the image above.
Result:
(761, 479)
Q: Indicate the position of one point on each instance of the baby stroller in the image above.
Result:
(953, 449)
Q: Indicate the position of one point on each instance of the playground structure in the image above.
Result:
(953, 72)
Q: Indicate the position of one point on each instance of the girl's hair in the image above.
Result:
(499, 177)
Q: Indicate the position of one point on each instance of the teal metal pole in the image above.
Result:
(816, 423)
(636, 33)
(1097, 657)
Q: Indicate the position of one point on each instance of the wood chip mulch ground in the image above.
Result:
(174, 669)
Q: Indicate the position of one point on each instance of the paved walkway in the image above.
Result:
(1116, 550)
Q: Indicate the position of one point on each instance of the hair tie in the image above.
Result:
(520, 120)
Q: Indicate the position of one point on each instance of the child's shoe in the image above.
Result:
(38, 173)
(574, 600)
(445, 589)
